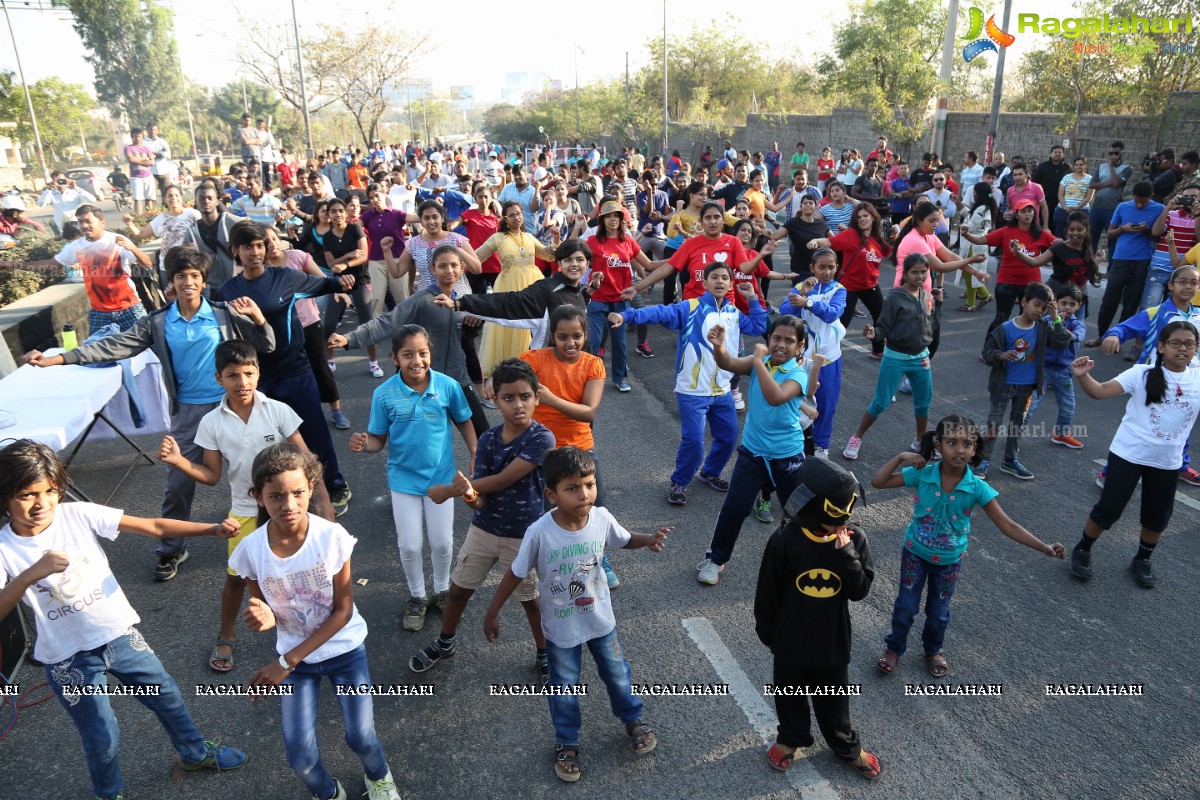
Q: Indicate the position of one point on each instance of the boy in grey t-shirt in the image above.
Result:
(566, 546)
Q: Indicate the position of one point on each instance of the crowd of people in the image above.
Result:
(500, 279)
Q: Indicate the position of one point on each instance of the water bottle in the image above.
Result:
(69, 340)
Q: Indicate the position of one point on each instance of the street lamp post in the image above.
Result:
(303, 89)
(666, 121)
(578, 50)
(37, 136)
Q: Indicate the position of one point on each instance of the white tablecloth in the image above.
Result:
(54, 405)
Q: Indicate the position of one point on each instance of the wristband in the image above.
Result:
(471, 496)
(283, 663)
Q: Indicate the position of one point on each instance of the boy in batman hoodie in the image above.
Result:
(813, 566)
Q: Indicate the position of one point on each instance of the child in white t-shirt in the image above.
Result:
(297, 568)
(239, 428)
(49, 556)
(565, 546)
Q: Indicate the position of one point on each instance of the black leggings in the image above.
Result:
(318, 358)
(669, 281)
(871, 298)
(1121, 478)
(469, 334)
(1006, 296)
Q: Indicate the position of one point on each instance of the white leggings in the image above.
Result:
(408, 511)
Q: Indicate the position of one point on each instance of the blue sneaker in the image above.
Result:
(613, 580)
(1016, 469)
(982, 468)
(340, 420)
(622, 386)
(217, 756)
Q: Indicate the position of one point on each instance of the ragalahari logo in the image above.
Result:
(996, 38)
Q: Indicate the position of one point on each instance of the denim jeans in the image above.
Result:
(1155, 289)
(300, 720)
(613, 669)
(1058, 380)
(915, 573)
(1098, 220)
(1014, 396)
(131, 660)
(598, 325)
(751, 474)
(722, 420)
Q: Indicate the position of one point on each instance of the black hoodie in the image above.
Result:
(535, 301)
(802, 606)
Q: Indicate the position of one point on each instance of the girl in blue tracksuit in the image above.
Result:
(820, 301)
(702, 388)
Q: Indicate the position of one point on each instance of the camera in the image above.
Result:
(1150, 161)
(1186, 200)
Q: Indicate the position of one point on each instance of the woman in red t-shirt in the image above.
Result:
(745, 232)
(615, 254)
(825, 166)
(696, 253)
(481, 224)
(1014, 274)
(862, 248)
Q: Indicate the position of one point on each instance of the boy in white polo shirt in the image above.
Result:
(245, 423)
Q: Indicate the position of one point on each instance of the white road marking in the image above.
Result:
(802, 775)
(1180, 497)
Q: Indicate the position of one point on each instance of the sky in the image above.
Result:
(207, 30)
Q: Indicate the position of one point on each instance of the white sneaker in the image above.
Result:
(376, 370)
(332, 365)
(915, 446)
(738, 403)
(851, 451)
(823, 452)
(709, 573)
(382, 789)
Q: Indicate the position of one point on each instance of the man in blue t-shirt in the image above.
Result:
(900, 194)
(507, 492)
(1129, 251)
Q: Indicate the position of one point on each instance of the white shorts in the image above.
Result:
(142, 188)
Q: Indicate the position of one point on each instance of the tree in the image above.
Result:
(131, 47)
(886, 58)
(268, 54)
(364, 70)
(61, 109)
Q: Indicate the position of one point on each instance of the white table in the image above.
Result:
(60, 405)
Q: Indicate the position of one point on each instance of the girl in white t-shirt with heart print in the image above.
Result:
(297, 569)
(1148, 446)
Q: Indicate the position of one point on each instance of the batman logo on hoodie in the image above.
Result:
(819, 583)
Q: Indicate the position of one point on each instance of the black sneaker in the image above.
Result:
(714, 482)
(168, 566)
(1143, 575)
(676, 496)
(340, 501)
(1081, 563)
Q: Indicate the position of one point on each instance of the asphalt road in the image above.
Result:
(1019, 621)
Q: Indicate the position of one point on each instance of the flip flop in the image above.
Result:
(871, 770)
(216, 658)
(965, 307)
(641, 734)
(778, 759)
(566, 756)
(887, 662)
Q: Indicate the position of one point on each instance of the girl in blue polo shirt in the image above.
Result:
(414, 414)
(947, 493)
(772, 447)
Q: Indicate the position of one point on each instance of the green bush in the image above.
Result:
(17, 283)
(33, 246)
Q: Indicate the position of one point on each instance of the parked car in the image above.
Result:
(91, 180)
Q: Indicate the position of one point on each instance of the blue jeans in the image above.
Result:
(613, 669)
(131, 660)
(597, 313)
(300, 720)
(751, 474)
(722, 423)
(1156, 288)
(1058, 380)
(1098, 220)
(914, 574)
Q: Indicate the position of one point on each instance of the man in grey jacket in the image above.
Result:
(184, 336)
(210, 235)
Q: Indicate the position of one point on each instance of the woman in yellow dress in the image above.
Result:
(516, 248)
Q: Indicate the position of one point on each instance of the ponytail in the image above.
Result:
(1156, 381)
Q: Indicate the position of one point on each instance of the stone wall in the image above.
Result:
(1019, 133)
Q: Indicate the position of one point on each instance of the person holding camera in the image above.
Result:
(64, 196)
(1178, 217)
(1162, 173)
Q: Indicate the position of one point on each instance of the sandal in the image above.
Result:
(965, 307)
(429, 656)
(642, 737)
(983, 302)
(780, 760)
(870, 767)
(566, 763)
(215, 659)
(937, 666)
(1092, 342)
(887, 662)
